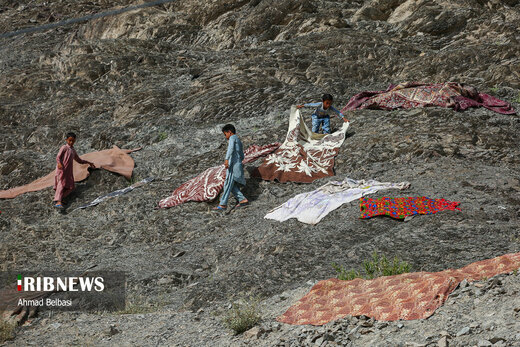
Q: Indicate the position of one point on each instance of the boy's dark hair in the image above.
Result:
(70, 134)
(326, 97)
(229, 127)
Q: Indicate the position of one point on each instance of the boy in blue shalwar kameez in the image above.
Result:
(321, 114)
(235, 169)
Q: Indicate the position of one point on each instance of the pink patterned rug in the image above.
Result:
(413, 94)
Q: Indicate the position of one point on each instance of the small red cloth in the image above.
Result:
(400, 208)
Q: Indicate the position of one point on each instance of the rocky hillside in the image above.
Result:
(167, 77)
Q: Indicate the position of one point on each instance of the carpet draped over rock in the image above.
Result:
(408, 296)
(413, 94)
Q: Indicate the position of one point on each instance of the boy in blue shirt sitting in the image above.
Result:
(321, 115)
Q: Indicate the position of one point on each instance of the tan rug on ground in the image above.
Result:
(408, 296)
(115, 160)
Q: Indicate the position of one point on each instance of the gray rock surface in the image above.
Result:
(168, 77)
(493, 320)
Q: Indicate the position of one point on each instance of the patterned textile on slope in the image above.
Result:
(115, 193)
(311, 207)
(407, 296)
(304, 156)
(412, 94)
(400, 208)
(115, 160)
(208, 184)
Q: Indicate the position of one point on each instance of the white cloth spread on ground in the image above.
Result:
(116, 193)
(311, 207)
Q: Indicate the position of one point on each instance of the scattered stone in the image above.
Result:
(496, 339)
(112, 331)
(474, 325)
(463, 331)
(381, 325)
(55, 325)
(364, 331)
(443, 342)
(489, 325)
(367, 324)
(254, 332)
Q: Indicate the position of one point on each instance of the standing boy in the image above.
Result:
(64, 179)
(235, 170)
(321, 115)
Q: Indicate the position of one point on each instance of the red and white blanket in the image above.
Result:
(207, 185)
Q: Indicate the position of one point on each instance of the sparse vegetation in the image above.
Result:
(6, 331)
(137, 307)
(344, 274)
(378, 266)
(162, 136)
(133, 179)
(242, 316)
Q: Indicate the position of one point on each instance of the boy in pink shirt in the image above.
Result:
(64, 179)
